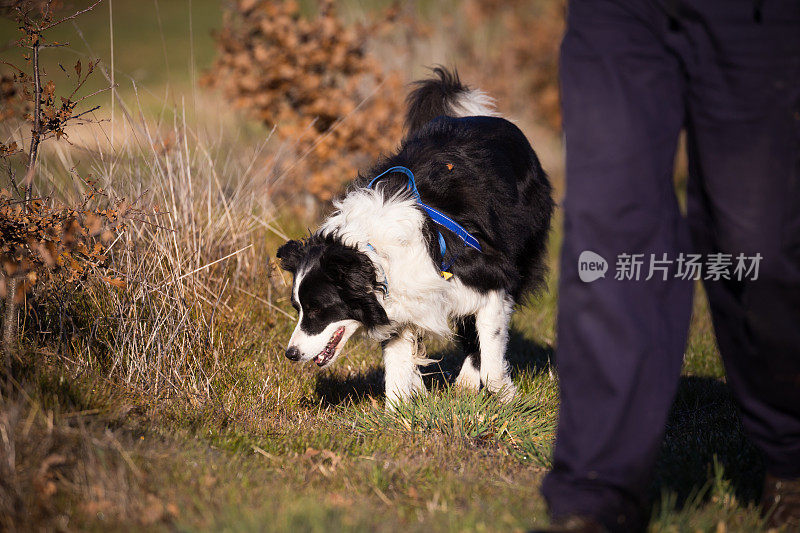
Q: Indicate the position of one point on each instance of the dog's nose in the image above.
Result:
(293, 354)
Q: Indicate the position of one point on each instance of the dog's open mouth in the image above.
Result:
(325, 355)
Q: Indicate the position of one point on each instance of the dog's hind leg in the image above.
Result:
(403, 378)
(491, 322)
(470, 376)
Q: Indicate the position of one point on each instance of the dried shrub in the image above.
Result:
(60, 469)
(8, 7)
(39, 237)
(137, 295)
(521, 67)
(12, 104)
(313, 79)
(46, 114)
(153, 315)
(64, 244)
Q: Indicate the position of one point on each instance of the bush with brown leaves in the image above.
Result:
(38, 236)
(521, 67)
(314, 80)
(46, 239)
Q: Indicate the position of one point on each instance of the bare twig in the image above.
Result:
(82, 98)
(10, 321)
(6, 63)
(73, 117)
(271, 305)
(74, 15)
(13, 181)
(36, 131)
(208, 265)
(81, 82)
(53, 45)
(46, 13)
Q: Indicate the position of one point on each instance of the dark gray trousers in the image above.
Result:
(633, 74)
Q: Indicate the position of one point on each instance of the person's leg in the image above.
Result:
(744, 198)
(620, 343)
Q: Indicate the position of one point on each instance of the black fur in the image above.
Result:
(339, 282)
(483, 173)
(432, 98)
(290, 255)
(468, 339)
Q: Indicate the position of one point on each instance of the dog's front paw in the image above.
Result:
(396, 398)
(505, 390)
(470, 377)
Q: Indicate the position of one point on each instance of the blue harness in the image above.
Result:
(437, 216)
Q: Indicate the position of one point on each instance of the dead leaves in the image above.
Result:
(521, 66)
(118, 283)
(323, 461)
(316, 81)
(47, 240)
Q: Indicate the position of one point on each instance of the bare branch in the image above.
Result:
(10, 322)
(95, 108)
(81, 82)
(36, 131)
(13, 180)
(12, 66)
(98, 91)
(74, 15)
(47, 13)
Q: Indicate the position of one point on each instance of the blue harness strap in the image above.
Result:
(437, 216)
(412, 183)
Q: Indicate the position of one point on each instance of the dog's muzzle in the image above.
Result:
(293, 354)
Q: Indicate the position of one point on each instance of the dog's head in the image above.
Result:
(335, 292)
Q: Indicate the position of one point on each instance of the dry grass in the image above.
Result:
(57, 455)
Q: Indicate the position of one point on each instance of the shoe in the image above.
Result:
(573, 524)
(780, 502)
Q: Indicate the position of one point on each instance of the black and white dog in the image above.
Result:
(453, 230)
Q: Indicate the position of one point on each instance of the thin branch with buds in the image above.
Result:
(74, 15)
(39, 130)
(36, 132)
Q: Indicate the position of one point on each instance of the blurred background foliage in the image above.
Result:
(336, 97)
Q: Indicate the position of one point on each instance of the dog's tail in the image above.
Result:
(444, 94)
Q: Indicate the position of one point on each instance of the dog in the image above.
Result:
(452, 228)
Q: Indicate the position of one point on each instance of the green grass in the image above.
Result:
(523, 427)
(160, 45)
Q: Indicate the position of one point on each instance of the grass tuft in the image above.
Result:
(524, 427)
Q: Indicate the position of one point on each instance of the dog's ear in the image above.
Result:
(355, 274)
(290, 255)
(347, 267)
